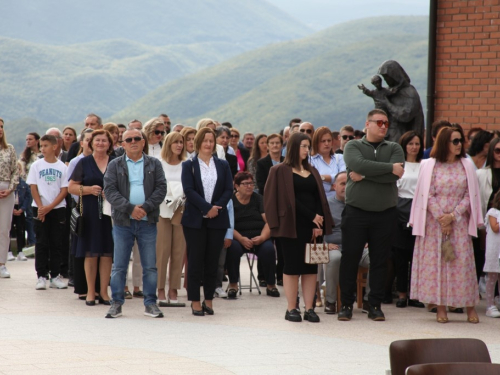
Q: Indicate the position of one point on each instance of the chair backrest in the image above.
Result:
(405, 353)
(461, 368)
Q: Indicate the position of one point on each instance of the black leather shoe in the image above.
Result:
(232, 293)
(207, 309)
(90, 303)
(345, 313)
(456, 310)
(293, 316)
(197, 312)
(102, 301)
(376, 314)
(262, 283)
(311, 316)
(366, 307)
(415, 303)
(401, 302)
(330, 307)
(272, 292)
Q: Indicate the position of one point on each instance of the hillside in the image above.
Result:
(313, 78)
(248, 23)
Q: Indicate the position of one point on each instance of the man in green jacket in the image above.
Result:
(373, 165)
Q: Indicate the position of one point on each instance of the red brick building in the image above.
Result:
(464, 63)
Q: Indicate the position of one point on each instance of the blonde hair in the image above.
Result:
(186, 131)
(150, 126)
(3, 140)
(110, 127)
(166, 150)
(204, 122)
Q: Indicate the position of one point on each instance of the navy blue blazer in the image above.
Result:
(196, 205)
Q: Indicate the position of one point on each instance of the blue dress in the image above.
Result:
(97, 239)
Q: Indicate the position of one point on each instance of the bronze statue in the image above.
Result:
(400, 101)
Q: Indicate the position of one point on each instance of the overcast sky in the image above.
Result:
(320, 14)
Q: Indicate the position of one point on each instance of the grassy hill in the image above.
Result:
(249, 23)
(313, 78)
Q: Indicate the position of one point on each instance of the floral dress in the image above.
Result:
(434, 280)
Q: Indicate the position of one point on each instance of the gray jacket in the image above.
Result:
(117, 189)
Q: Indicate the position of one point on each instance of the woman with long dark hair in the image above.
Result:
(297, 211)
(259, 151)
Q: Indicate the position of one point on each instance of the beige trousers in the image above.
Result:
(170, 248)
(6, 207)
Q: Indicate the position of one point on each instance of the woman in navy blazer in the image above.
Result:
(208, 187)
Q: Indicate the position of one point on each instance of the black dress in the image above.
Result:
(97, 240)
(307, 206)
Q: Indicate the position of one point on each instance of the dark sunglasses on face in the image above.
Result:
(158, 132)
(129, 140)
(235, 136)
(456, 141)
(345, 137)
(308, 131)
(380, 123)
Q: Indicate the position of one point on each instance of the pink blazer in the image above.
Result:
(419, 206)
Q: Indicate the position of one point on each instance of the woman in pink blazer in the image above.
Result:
(446, 207)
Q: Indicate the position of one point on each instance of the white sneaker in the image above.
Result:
(57, 282)
(41, 284)
(219, 292)
(10, 256)
(4, 274)
(21, 256)
(492, 312)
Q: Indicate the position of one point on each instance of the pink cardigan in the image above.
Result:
(419, 205)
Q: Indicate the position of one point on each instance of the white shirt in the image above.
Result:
(408, 183)
(155, 150)
(49, 178)
(71, 168)
(208, 178)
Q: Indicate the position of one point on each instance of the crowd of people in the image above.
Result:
(189, 202)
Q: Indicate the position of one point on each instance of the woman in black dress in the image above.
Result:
(96, 244)
(297, 210)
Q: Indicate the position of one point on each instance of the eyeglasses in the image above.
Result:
(308, 131)
(235, 136)
(456, 141)
(496, 151)
(380, 123)
(350, 137)
(129, 140)
(247, 184)
(158, 132)
(167, 123)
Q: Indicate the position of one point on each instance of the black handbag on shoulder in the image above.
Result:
(76, 220)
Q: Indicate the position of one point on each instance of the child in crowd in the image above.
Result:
(492, 263)
(49, 186)
(21, 205)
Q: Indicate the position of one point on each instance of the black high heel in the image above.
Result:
(197, 312)
(207, 309)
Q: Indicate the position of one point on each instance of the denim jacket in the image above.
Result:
(117, 189)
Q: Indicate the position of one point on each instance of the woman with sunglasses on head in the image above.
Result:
(155, 132)
(297, 211)
(446, 210)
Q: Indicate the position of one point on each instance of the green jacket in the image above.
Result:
(377, 191)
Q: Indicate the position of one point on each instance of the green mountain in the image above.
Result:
(314, 78)
(248, 23)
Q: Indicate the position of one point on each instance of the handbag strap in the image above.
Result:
(80, 203)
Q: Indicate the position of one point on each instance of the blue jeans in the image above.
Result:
(124, 238)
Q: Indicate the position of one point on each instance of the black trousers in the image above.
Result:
(266, 255)
(281, 262)
(65, 242)
(49, 242)
(203, 251)
(358, 228)
(19, 222)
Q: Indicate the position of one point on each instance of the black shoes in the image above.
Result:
(401, 302)
(206, 309)
(415, 303)
(272, 292)
(280, 282)
(330, 307)
(345, 313)
(311, 316)
(366, 307)
(376, 314)
(262, 283)
(293, 316)
(232, 293)
(197, 312)
(138, 294)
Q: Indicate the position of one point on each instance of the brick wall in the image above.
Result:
(468, 63)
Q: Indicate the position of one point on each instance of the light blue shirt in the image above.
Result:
(136, 180)
(230, 212)
(335, 166)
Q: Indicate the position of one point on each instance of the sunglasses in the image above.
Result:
(235, 136)
(308, 131)
(496, 151)
(345, 137)
(380, 123)
(158, 132)
(129, 140)
(456, 141)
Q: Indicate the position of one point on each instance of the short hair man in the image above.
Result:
(307, 128)
(135, 124)
(374, 165)
(177, 128)
(121, 129)
(248, 140)
(335, 140)
(346, 135)
(60, 153)
(92, 121)
(286, 134)
(134, 185)
(166, 121)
